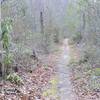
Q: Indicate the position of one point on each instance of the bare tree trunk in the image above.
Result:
(43, 33)
(42, 22)
(2, 69)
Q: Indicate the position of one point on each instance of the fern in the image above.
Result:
(14, 78)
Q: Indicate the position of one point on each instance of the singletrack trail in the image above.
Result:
(63, 71)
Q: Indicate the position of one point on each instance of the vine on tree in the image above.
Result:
(6, 27)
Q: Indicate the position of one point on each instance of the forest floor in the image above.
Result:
(51, 80)
(85, 87)
(65, 85)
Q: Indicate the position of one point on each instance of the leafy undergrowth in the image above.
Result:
(32, 87)
(84, 84)
(50, 92)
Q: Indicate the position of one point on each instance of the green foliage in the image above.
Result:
(6, 27)
(54, 81)
(76, 38)
(23, 10)
(53, 89)
(14, 78)
(5, 40)
(95, 83)
(8, 59)
(96, 71)
(82, 3)
(72, 18)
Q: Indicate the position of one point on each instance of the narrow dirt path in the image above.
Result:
(63, 71)
(60, 84)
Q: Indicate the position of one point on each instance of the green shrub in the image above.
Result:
(95, 83)
(96, 71)
(6, 27)
(14, 78)
(76, 38)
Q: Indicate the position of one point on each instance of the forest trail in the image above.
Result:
(63, 71)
